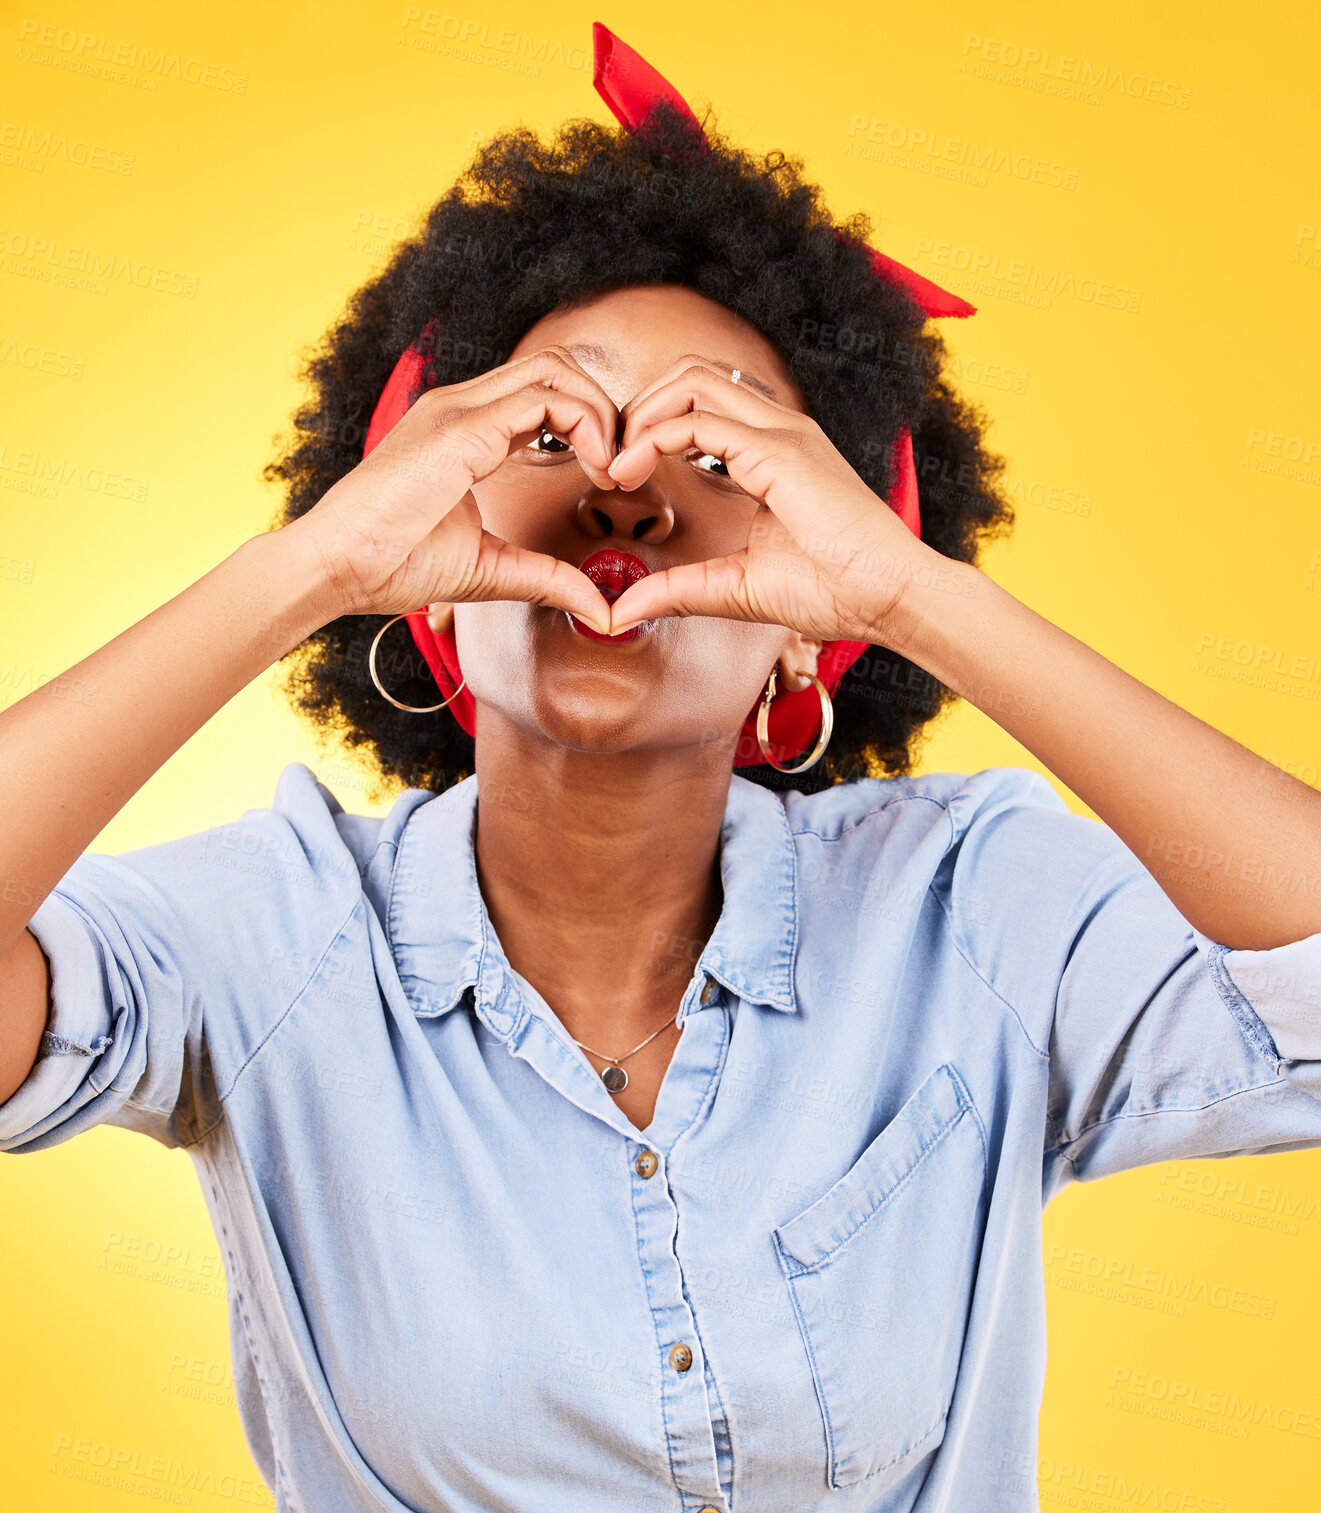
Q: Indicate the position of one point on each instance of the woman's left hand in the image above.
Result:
(825, 555)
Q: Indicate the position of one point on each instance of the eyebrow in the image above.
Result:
(607, 360)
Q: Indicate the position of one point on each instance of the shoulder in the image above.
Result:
(1024, 879)
(291, 870)
(995, 848)
(1013, 872)
(956, 801)
(307, 830)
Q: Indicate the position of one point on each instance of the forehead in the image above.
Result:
(593, 355)
(639, 332)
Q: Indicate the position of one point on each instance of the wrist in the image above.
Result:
(301, 595)
(931, 607)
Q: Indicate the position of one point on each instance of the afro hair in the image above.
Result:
(531, 226)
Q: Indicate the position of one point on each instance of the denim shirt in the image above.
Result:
(460, 1279)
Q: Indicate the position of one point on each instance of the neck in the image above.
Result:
(601, 875)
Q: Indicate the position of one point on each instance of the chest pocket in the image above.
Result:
(880, 1270)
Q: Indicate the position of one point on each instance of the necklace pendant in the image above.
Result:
(615, 1079)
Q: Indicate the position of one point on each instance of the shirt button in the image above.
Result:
(708, 993)
(646, 1164)
(681, 1358)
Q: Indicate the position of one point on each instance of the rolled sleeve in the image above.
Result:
(1276, 997)
(80, 1027)
(124, 1022)
(169, 966)
(1155, 1053)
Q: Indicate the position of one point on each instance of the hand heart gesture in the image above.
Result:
(825, 555)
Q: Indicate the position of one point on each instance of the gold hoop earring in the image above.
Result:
(823, 738)
(371, 668)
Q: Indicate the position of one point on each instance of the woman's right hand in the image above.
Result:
(403, 530)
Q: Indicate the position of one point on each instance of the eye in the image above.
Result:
(720, 470)
(558, 450)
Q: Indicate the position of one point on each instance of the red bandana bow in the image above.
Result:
(630, 86)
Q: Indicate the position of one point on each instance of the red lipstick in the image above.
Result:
(612, 571)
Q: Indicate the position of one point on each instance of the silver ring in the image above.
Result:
(738, 373)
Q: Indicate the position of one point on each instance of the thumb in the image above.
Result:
(514, 572)
(714, 587)
(500, 570)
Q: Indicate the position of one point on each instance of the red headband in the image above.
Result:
(630, 86)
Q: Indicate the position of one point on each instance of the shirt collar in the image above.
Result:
(444, 943)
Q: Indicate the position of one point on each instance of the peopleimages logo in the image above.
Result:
(1120, 1277)
(35, 256)
(1015, 278)
(41, 359)
(91, 52)
(1224, 1403)
(34, 146)
(1105, 78)
(127, 1468)
(911, 146)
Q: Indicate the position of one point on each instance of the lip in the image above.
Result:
(612, 571)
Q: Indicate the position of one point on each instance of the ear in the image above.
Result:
(798, 658)
(440, 617)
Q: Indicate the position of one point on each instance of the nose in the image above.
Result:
(643, 514)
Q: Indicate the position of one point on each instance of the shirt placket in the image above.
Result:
(686, 1402)
(696, 1433)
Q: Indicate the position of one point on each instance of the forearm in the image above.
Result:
(76, 749)
(1234, 841)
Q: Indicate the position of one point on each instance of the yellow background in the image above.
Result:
(1188, 564)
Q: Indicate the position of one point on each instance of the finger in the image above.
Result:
(715, 587)
(675, 369)
(698, 385)
(554, 365)
(497, 569)
(449, 452)
(778, 468)
(693, 361)
(566, 416)
(506, 571)
(748, 451)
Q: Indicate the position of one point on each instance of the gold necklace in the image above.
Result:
(614, 1076)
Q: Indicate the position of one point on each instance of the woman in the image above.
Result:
(603, 1127)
